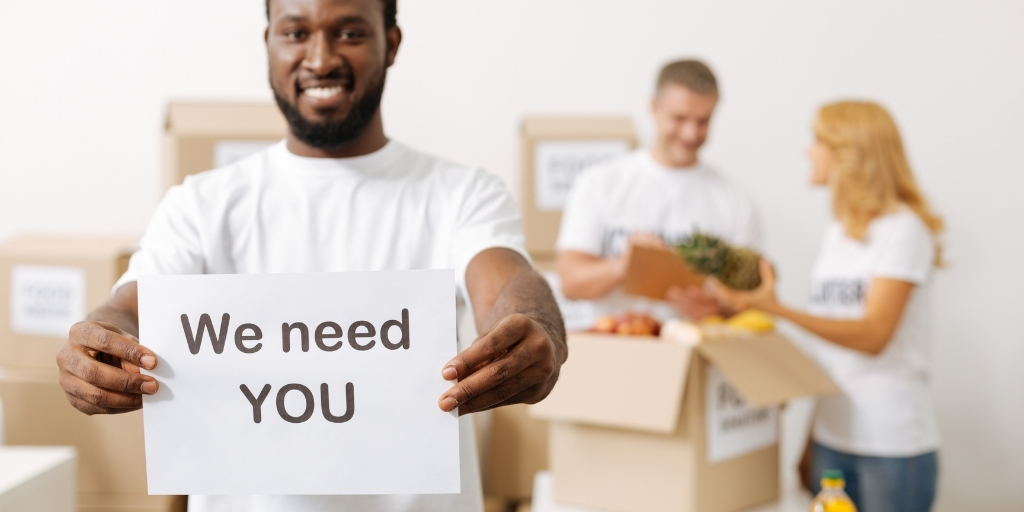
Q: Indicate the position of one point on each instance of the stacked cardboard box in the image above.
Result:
(645, 424)
(554, 151)
(47, 284)
(203, 136)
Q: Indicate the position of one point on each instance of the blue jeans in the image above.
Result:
(881, 484)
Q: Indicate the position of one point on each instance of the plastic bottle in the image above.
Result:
(832, 497)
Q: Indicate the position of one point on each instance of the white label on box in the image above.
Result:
(733, 427)
(227, 152)
(557, 163)
(300, 383)
(45, 300)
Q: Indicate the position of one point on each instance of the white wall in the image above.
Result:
(84, 86)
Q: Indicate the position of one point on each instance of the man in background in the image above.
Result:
(655, 196)
(337, 195)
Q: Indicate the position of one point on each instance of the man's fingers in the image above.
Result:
(98, 397)
(499, 377)
(91, 409)
(530, 395)
(108, 377)
(488, 347)
(108, 339)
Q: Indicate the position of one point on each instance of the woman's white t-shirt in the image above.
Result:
(885, 406)
(275, 212)
(634, 194)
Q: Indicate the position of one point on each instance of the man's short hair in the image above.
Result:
(691, 74)
(390, 12)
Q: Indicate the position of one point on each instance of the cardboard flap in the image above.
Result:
(633, 382)
(651, 272)
(766, 369)
(255, 120)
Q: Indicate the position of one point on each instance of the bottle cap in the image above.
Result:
(832, 474)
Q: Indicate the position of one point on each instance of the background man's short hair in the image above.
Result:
(692, 74)
(390, 12)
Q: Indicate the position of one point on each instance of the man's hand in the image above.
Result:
(516, 362)
(693, 302)
(99, 369)
(517, 358)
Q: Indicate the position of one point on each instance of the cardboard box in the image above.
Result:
(47, 283)
(554, 151)
(651, 272)
(203, 136)
(518, 449)
(644, 424)
(111, 448)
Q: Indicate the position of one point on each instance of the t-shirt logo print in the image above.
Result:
(839, 292)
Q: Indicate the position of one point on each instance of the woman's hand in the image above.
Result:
(762, 297)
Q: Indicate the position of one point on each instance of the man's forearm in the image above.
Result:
(527, 293)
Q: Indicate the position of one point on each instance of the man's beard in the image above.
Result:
(335, 134)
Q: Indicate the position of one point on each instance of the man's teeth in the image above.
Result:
(322, 92)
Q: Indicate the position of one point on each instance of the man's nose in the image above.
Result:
(689, 132)
(321, 58)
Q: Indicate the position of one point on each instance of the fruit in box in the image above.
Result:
(735, 267)
(631, 324)
(752, 320)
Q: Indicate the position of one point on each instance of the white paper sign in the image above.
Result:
(558, 162)
(45, 300)
(323, 384)
(733, 427)
(227, 152)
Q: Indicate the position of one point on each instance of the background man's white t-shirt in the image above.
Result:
(885, 406)
(635, 194)
(275, 212)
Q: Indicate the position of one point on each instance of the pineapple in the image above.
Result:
(736, 267)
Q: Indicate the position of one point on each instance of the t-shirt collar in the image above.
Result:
(363, 164)
(652, 165)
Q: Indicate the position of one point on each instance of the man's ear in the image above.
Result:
(266, 34)
(394, 40)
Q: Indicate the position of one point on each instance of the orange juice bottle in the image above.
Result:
(832, 497)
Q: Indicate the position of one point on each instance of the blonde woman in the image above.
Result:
(870, 304)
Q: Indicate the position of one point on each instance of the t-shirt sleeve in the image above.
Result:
(488, 218)
(582, 226)
(171, 243)
(905, 250)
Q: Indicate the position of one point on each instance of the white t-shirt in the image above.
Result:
(635, 194)
(275, 212)
(884, 407)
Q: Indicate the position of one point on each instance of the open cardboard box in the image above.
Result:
(644, 424)
(651, 272)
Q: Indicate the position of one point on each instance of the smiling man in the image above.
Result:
(656, 196)
(338, 195)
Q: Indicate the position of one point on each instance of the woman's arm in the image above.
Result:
(886, 300)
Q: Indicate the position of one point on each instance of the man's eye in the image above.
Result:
(350, 35)
(295, 35)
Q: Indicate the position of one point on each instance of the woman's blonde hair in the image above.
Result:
(871, 175)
